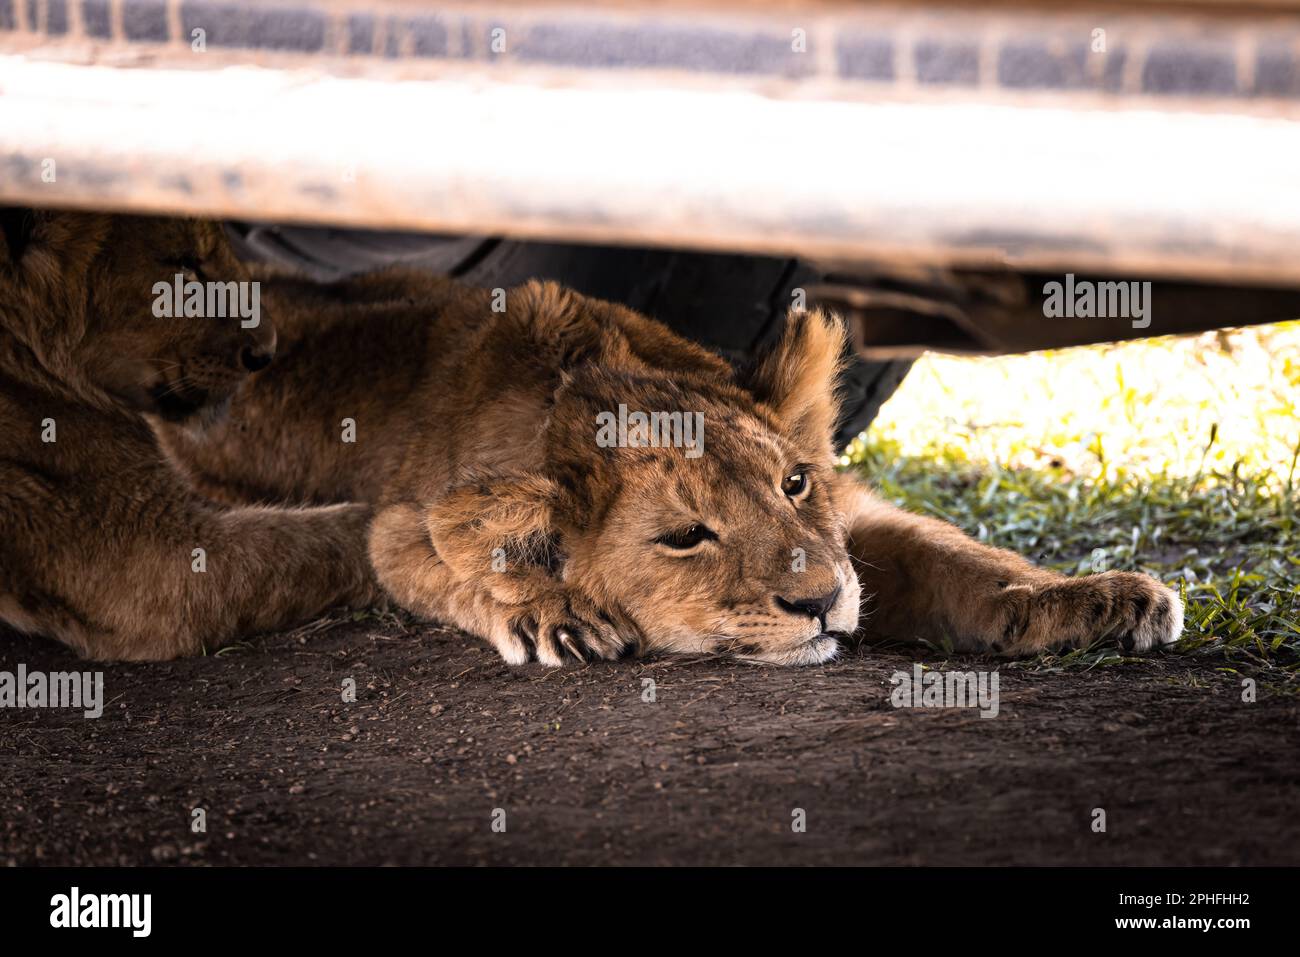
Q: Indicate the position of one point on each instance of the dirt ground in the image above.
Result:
(587, 771)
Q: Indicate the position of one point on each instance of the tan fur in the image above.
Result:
(97, 530)
(498, 511)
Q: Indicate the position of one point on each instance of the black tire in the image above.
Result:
(733, 304)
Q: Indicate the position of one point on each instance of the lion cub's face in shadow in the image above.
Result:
(727, 540)
(97, 299)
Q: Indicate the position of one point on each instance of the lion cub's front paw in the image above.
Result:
(1134, 609)
(565, 627)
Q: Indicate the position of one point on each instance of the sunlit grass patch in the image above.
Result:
(1177, 457)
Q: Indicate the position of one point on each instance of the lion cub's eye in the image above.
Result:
(795, 484)
(687, 538)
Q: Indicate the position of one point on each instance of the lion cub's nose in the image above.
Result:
(812, 607)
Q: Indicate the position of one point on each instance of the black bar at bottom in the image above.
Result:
(338, 906)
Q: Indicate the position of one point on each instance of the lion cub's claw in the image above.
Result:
(560, 631)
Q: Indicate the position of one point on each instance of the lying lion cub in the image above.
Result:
(102, 544)
(508, 507)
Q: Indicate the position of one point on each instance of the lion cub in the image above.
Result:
(506, 506)
(102, 544)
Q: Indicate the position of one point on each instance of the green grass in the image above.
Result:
(1176, 457)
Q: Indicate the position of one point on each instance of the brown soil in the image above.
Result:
(587, 772)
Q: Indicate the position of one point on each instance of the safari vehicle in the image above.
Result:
(929, 169)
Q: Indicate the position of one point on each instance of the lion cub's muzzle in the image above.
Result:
(200, 388)
(833, 606)
(801, 629)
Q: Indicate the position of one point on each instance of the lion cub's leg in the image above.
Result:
(463, 562)
(420, 581)
(926, 579)
(191, 578)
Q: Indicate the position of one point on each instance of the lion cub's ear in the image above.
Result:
(798, 377)
(45, 247)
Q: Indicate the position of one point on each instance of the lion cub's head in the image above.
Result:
(156, 315)
(702, 506)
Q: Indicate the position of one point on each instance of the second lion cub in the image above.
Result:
(102, 545)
